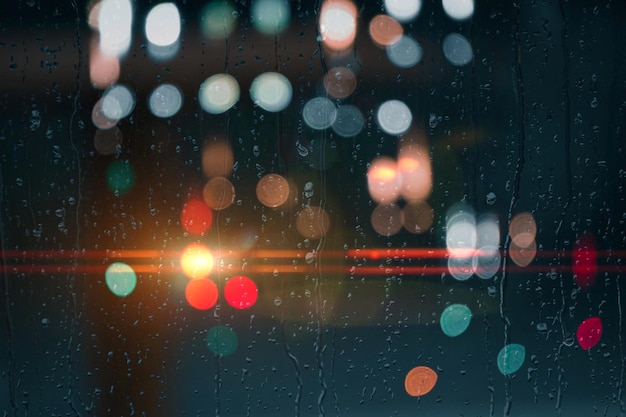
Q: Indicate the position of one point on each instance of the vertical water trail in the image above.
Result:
(620, 337)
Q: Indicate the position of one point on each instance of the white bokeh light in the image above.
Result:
(394, 117)
(319, 113)
(404, 53)
(165, 100)
(458, 9)
(270, 16)
(218, 93)
(117, 102)
(115, 19)
(403, 10)
(337, 23)
(163, 24)
(271, 91)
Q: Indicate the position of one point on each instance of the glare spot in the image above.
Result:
(589, 332)
(218, 193)
(217, 158)
(165, 101)
(313, 222)
(120, 177)
(201, 294)
(418, 217)
(349, 121)
(196, 217)
(385, 30)
(218, 19)
(163, 24)
(319, 113)
(510, 358)
(455, 319)
(420, 381)
(338, 23)
(415, 173)
(272, 190)
(387, 219)
(270, 16)
(241, 292)
(196, 261)
(458, 9)
(117, 102)
(394, 117)
(403, 10)
(405, 53)
(339, 82)
(218, 93)
(457, 49)
(382, 180)
(222, 340)
(115, 19)
(107, 142)
(271, 91)
(99, 119)
(523, 229)
(120, 278)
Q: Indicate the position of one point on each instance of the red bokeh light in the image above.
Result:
(589, 333)
(196, 217)
(201, 294)
(584, 262)
(241, 292)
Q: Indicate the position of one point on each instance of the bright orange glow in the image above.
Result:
(201, 294)
(104, 69)
(338, 23)
(196, 217)
(383, 181)
(385, 30)
(523, 229)
(415, 173)
(196, 261)
(217, 158)
(420, 381)
(241, 292)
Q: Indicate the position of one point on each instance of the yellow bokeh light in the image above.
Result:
(197, 261)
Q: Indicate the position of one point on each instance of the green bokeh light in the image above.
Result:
(511, 358)
(218, 19)
(222, 340)
(120, 177)
(455, 319)
(270, 16)
(121, 279)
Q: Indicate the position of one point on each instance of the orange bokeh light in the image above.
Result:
(523, 229)
(201, 294)
(337, 24)
(197, 261)
(420, 381)
(382, 180)
(385, 30)
(415, 173)
(196, 217)
(217, 158)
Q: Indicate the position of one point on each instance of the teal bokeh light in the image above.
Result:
(121, 279)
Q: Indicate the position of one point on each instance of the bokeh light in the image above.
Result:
(218, 19)
(165, 100)
(196, 217)
(270, 16)
(420, 381)
(511, 358)
(455, 319)
(120, 278)
(319, 113)
(385, 30)
(312, 222)
(115, 19)
(403, 10)
(271, 91)
(394, 117)
(339, 82)
(589, 332)
(98, 118)
(462, 267)
(240, 292)
(523, 229)
(349, 121)
(338, 24)
(488, 260)
(218, 93)
(382, 180)
(417, 217)
(104, 69)
(457, 49)
(522, 256)
(120, 177)
(461, 235)
(458, 9)
(196, 261)
(163, 24)
(585, 261)
(222, 340)
(415, 173)
(108, 142)
(272, 190)
(387, 219)
(218, 193)
(405, 53)
(117, 102)
(201, 293)
(217, 158)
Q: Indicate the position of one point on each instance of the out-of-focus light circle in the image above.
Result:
(240, 292)
(163, 24)
(218, 19)
(93, 12)
(522, 256)
(385, 30)
(487, 232)
(349, 121)
(418, 217)
(117, 102)
(313, 222)
(120, 278)
(165, 100)
(107, 142)
(201, 294)
(196, 261)
(271, 91)
(403, 10)
(585, 261)
(319, 113)
(387, 219)
(218, 93)
(270, 16)
(420, 381)
(457, 49)
(163, 53)
(458, 9)
(415, 173)
(104, 69)
(589, 332)
(487, 261)
(339, 82)
(382, 180)
(99, 119)
(217, 158)
(461, 234)
(523, 229)
(462, 267)
(455, 319)
(196, 217)
(222, 340)
(511, 358)
(394, 117)
(405, 53)
(338, 23)
(272, 190)
(115, 18)
(218, 193)
(120, 177)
